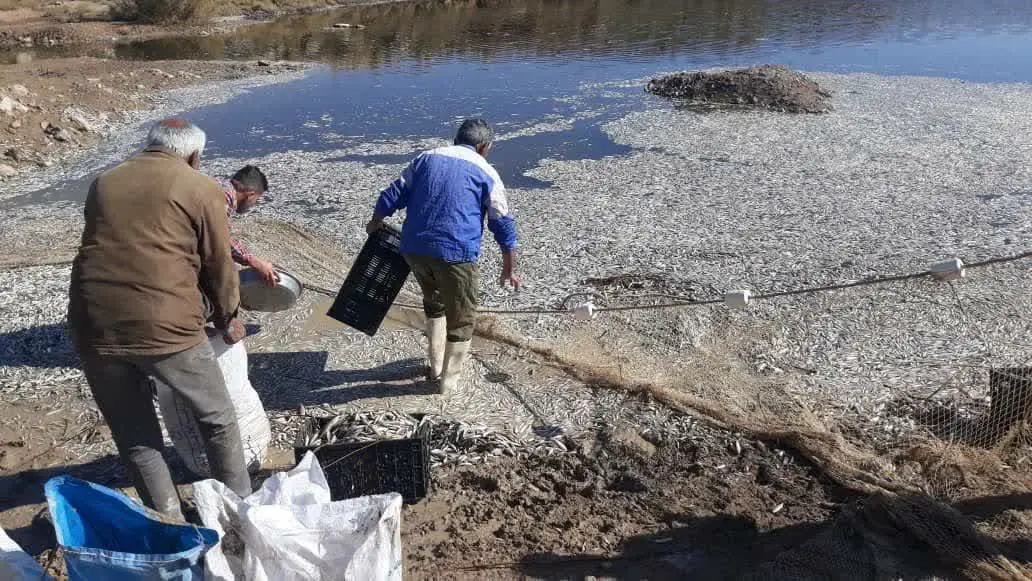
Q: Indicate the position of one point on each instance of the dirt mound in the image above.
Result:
(711, 505)
(768, 87)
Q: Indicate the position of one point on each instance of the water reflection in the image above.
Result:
(626, 29)
(565, 67)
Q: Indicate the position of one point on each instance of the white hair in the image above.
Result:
(180, 137)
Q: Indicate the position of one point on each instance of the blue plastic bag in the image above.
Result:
(106, 536)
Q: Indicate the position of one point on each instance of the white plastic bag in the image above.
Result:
(16, 564)
(254, 424)
(290, 530)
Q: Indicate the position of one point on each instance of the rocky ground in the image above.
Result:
(54, 107)
(41, 23)
(619, 507)
(57, 108)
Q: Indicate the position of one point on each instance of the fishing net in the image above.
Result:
(925, 417)
(915, 397)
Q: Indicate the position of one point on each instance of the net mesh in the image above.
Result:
(926, 409)
(917, 396)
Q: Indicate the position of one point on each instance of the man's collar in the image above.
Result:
(469, 147)
(164, 151)
(230, 191)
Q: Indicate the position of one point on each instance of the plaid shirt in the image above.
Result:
(240, 254)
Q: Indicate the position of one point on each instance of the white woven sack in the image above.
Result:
(254, 424)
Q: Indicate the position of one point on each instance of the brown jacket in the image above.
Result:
(156, 237)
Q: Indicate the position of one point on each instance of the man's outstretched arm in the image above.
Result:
(503, 226)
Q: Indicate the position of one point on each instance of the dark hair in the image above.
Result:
(474, 132)
(251, 178)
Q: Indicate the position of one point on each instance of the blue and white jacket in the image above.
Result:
(447, 192)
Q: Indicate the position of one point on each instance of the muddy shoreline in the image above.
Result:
(28, 28)
(56, 110)
(59, 112)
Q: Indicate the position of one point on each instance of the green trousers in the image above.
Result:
(450, 291)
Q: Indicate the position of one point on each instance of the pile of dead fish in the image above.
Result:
(451, 442)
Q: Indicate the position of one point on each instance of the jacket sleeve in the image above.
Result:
(219, 280)
(499, 220)
(396, 196)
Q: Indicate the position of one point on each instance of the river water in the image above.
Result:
(548, 73)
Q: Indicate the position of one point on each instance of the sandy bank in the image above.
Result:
(70, 116)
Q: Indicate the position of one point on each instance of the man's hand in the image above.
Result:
(374, 225)
(510, 278)
(266, 271)
(235, 331)
(509, 275)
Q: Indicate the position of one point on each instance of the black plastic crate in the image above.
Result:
(401, 466)
(373, 283)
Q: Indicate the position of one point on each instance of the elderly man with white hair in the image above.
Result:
(154, 264)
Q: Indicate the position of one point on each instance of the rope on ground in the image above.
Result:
(829, 452)
(675, 304)
(569, 559)
(18, 265)
(874, 280)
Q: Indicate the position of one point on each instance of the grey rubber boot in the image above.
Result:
(455, 356)
(437, 336)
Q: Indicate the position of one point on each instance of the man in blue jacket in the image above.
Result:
(447, 193)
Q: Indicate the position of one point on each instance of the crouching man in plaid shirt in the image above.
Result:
(242, 192)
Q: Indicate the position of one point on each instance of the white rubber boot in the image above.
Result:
(437, 336)
(455, 356)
